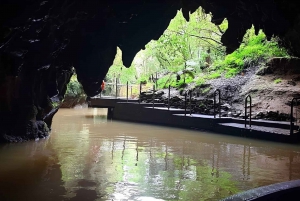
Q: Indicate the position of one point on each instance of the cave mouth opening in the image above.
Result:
(40, 42)
(185, 46)
(183, 43)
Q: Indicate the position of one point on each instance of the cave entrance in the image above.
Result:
(185, 48)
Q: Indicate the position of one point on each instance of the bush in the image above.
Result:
(200, 80)
(214, 75)
(143, 79)
(253, 50)
(171, 80)
(74, 88)
(277, 80)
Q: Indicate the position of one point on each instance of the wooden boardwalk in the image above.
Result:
(108, 101)
(158, 114)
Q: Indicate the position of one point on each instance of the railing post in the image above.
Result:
(127, 91)
(219, 104)
(250, 112)
(116, 88)
(246, 111)
(219, 93)
(156, 80)
(185, 104)
(228, 90)
(291, 121)
(190, 103)
(153, 96)
(169, 97)
(140, 92)
(215, 104)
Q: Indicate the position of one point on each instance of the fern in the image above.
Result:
(253, 50)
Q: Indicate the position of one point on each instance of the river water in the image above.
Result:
(88, 157)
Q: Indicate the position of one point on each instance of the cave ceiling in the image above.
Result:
(40, 35)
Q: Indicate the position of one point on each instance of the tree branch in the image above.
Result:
(212, 31)
(222, 32)
(216, 48)
(201, 37)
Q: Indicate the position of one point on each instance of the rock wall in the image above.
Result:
(40, 42)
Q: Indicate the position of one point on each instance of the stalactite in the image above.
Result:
(40, 41)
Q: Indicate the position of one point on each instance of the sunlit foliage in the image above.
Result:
(192, 52)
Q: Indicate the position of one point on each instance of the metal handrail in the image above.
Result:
(116, 88)
(246, 101)
(153, 96)
(291, 116)
(169, 97)
(127, 91)
(119, 84)
(215, 94)
(185, 104)
(190, 102)
(140, 92)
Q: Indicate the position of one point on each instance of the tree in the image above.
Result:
(184, 43)
(193, 49)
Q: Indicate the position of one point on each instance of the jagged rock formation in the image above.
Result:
(40, 42)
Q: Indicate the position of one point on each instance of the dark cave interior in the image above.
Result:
(41, 42)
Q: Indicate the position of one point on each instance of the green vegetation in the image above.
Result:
(214, 75)
(117, 69)
(200, 80)
(277, 81)
(74, 88)
(206, 90)
(177, 80)
(253, 51)
(192, 52)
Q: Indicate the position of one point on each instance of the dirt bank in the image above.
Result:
(272, 86)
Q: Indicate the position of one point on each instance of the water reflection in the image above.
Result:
(29, 171)
(90, 158)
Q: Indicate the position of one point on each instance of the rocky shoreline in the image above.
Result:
(272, 87)
(201, 105)
(35, 130)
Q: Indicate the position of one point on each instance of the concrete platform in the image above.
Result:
(171, 110)
(259, 128)
(200, 116)
(108, 102)
(159, 115)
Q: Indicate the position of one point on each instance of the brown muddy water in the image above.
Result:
(88, 157)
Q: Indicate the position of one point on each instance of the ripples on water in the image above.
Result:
(89, 157)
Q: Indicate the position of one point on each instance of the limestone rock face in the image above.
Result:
(41, 41)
